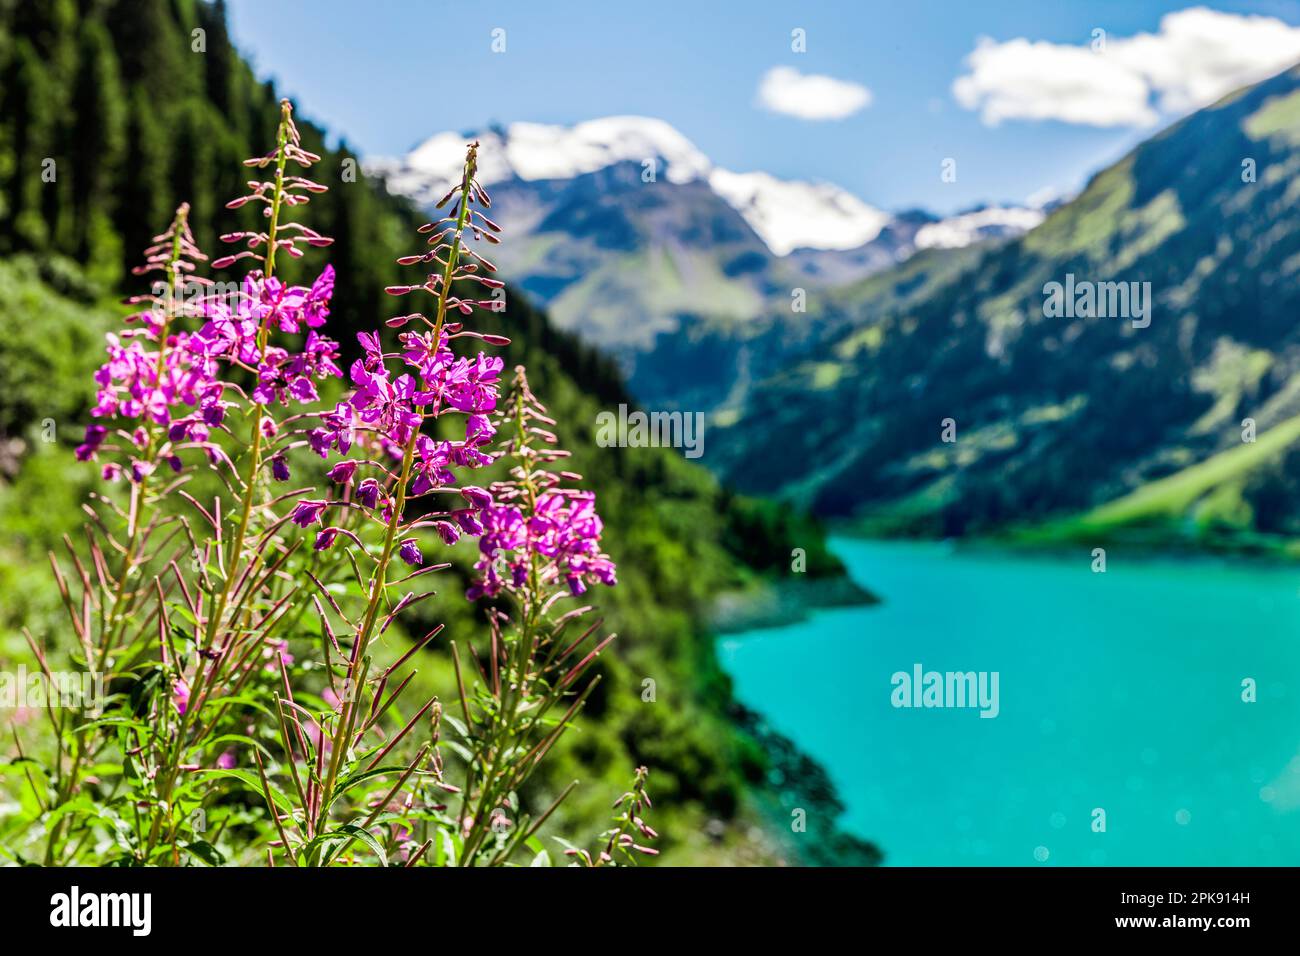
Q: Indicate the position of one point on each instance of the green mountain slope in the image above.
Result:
(1054, 416)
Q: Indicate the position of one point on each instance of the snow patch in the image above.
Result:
(788, 214)
(993, 222)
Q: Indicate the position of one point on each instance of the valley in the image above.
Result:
(825, 347)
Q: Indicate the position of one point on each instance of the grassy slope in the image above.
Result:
(1202, 501)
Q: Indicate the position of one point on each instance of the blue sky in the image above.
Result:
(373, 72)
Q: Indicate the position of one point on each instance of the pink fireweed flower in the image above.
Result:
(231, 335)
(410, 553)
(163, 375)
(271, 301)
(338, 430)
(395, 394)
(477, 497)
(308, 512)
(530, 524)
(343, 472)
(94, 438)
(564, 533)
(392, 407)
(276, 649)
(468, 521)
(432, 469)
(139, 383)
(368, 493)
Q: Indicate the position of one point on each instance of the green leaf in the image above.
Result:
(206, 852)
(253, 783)
(81, 803)
(184, 612)
(353, 779)
(457, 724)
(365, 836)
(240, 739)
(248, 700)
(139, 725)
(464, 753)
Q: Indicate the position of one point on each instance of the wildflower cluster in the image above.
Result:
(396, 393)
(534, 525)
(232, 334)
(207, 620)
(153, 369)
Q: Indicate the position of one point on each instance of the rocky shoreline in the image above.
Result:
(785, 601)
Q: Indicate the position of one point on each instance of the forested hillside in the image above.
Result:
(1055, 415)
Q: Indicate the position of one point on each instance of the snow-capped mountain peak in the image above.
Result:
(537, 151)
(789, 214)
(786, 214)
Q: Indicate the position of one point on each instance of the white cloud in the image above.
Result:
(1020, 79)
(1196, 56)
(810, 96)
(1200, 55)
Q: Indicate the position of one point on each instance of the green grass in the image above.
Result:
(1280, 117)
(1175, 496)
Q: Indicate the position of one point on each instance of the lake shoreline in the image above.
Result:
(773, 603)
(795, 783)
(1064, 537)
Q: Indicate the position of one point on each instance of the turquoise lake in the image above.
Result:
(1120, 691)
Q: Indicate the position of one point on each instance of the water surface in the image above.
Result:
(1119, 691)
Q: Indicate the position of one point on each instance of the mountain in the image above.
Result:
(1094, 423)
(636, 241)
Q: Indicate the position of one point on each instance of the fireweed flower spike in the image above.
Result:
(533, 526)
(239, 331)
(402, 475)
(192, 612)
(539, 544)
(238, 610)
(151, 375)
(395, 394)
(629, 827)
(152, 371)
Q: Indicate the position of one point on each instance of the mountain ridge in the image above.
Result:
(829, 216)
(1052, 416)
(686, 273)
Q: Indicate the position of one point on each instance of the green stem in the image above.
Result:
(501, 736)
